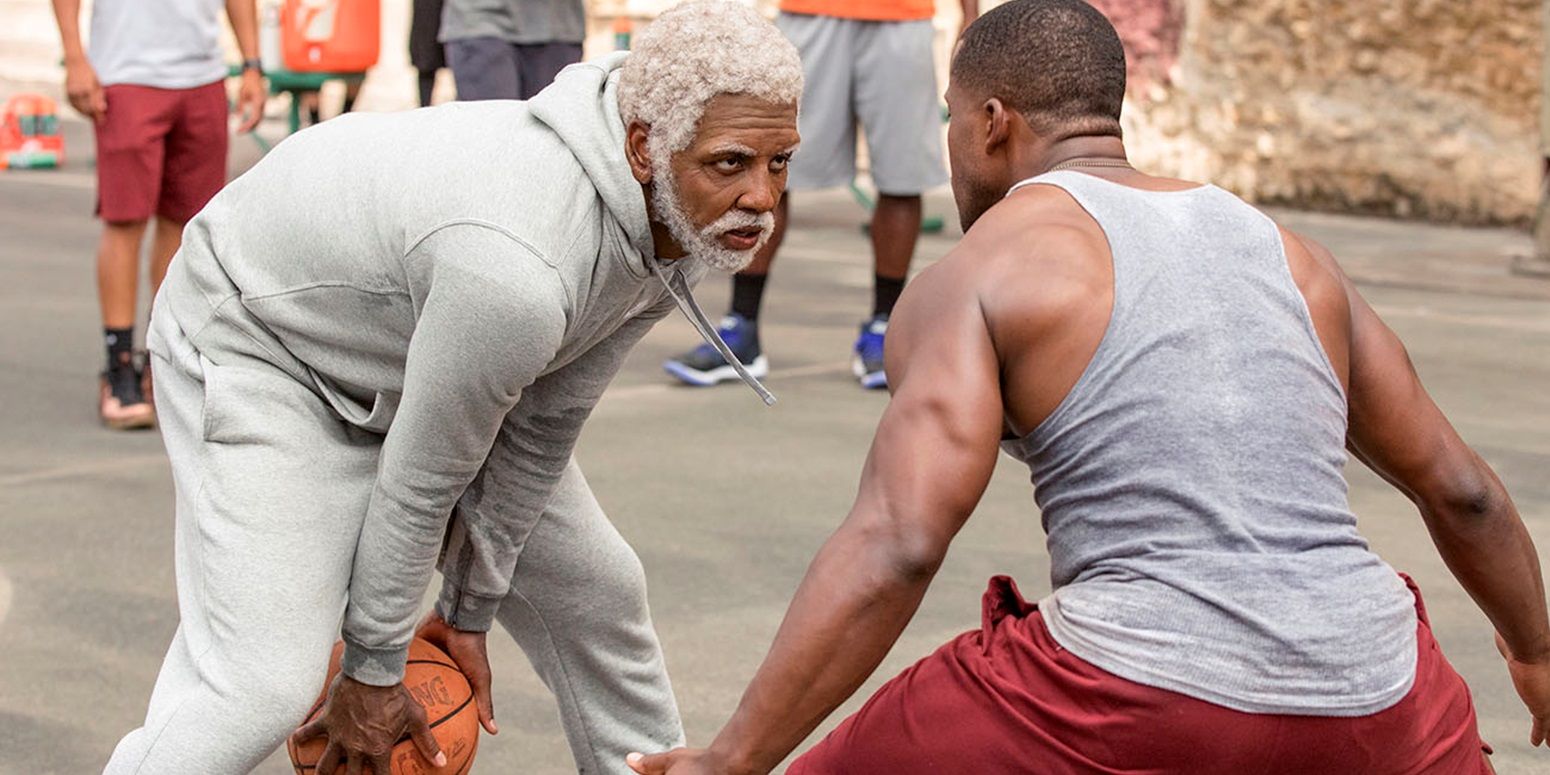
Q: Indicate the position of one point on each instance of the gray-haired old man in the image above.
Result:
(397, 322)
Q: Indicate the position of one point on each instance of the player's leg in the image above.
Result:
(578, 610)
(539, 63)
(897, 102)
(484, 68)
(130, 144)
(271, 490)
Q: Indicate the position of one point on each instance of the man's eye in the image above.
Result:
(779, 162)
(731, 164)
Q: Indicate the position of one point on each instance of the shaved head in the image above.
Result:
(1059, 63)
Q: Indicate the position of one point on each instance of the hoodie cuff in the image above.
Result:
(466, 611)
(373, 666)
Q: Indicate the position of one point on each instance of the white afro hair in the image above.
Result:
(696, 51)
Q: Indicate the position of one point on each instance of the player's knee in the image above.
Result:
(288, 703)
(280, 692)
(620, 580)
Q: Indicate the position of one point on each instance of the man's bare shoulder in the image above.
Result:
(1314, 268)
(1036, 270)
(1037, 251)
(1300, 248)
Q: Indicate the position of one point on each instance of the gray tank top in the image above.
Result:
(1199, 533)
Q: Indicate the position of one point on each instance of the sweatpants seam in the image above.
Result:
(197, 661)
(203, 684)
(181, 635)
(559, 659)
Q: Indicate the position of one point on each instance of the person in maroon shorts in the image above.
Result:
(1184, 379)
(154, 87)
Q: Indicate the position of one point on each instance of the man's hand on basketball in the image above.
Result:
(1532, 680)
(467, 649)
(363, 722)
(682, 761)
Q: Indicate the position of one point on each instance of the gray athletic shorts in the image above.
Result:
(881, 73)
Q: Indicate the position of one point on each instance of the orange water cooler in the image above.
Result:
(29, 133)
(330, 36)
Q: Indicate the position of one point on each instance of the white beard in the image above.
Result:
(703, 243)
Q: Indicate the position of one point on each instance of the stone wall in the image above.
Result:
(1151, 31)
(1414, 108)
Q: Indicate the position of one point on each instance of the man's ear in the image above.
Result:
(636, 152)
(998, 125)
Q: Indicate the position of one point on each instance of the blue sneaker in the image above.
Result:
(703, 366)
(868, 360)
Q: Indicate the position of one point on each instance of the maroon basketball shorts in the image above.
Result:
(1008, 699)
(160, 151)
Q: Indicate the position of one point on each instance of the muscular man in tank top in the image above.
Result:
(1184, 379)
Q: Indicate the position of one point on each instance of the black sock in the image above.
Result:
(747, 293)
(885, 293)
(121, 345)
(427, 86)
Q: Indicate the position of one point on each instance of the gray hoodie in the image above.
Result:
(465, 280)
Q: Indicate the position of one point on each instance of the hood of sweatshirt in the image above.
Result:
(582, 108)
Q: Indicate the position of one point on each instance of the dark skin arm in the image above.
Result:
(81, 84)
(931, 459)
(243, 15)
(1398, 431)
(971, 11)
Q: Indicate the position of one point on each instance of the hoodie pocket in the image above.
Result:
(257, 404)
(376, 418)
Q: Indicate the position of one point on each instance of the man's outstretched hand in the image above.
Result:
(467, 650)
(1532, 680)
(364, 722)
(682, 761)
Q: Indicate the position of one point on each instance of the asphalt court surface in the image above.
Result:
(725, 500)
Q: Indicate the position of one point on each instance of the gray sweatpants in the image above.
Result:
(271, 492)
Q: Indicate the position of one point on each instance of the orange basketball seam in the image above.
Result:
(454, 712)
(432, 662)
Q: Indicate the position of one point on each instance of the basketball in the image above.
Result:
(434, 681)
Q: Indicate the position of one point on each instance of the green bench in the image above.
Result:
(294, 84)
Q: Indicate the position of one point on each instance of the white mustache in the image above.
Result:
(740, 219)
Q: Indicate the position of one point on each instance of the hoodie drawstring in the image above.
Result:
(678, 288)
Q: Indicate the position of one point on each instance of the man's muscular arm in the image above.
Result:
(930, 461)
(1397, 430)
